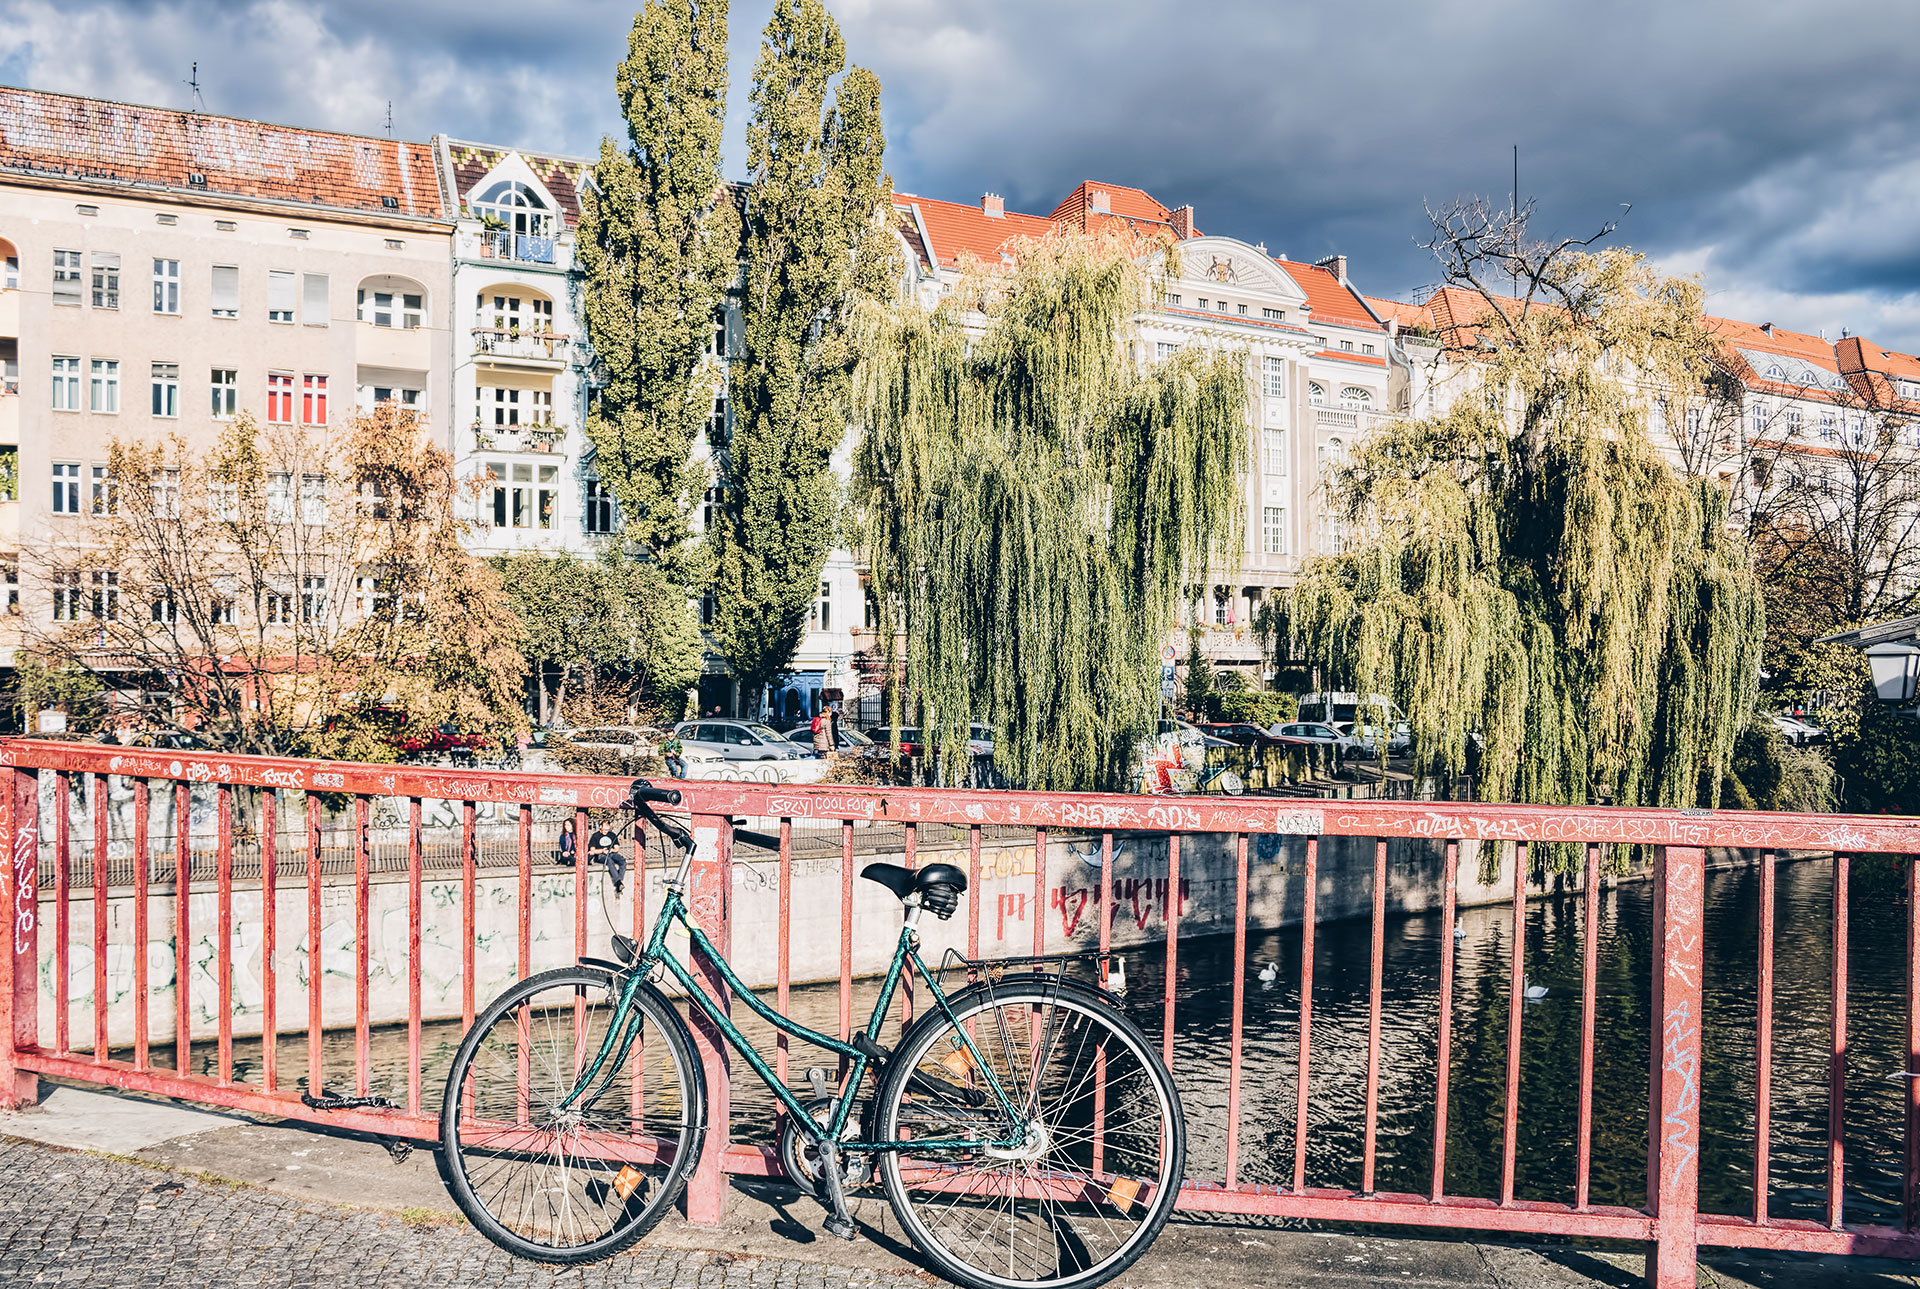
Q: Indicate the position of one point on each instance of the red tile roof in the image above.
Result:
(1872, 370)
(1798, 344)
(96, 141)
(1341, 355)
(955, 228)
(1127, 203)
(1330, 301)
(1407, 315)
(564, 177)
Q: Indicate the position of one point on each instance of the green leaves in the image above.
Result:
(657, 244)
(816, 236)
(1036, 504)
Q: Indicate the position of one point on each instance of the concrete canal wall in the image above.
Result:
(1067, 906)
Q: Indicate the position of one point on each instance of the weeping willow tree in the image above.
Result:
(1037, 500)
(1530, 576)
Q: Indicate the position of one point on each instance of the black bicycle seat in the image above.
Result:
(904, 881)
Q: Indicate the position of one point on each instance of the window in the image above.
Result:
(548, 493)
(106, 281)
(280, 293)
(1173, 302)
(66, 487)
(166, 389)
(513, 207)
(1366, 349)
(10, 582)
(280, 397)
(1219, 606)
(1274, 315)
(1354, 397)
(1273, 377)
(1696, 423)
(1758, 418)
(66, 278)
(165, 487)
(1165, 349)
(105, 496)
(1221, 306)
(1273, 530)
(392, 308)
(220, 610)
(717, 337)
(106, 596)
(225, 296)
(313, 400)
(1347, 346)
(66, 595)
(105, 385)
(313, 499)
(279, 606)
(505, 404)
(10, 279)
(226, 501)
(166, 286)
(166, 609)
(1826, 427)
(1793, 422)
(313, 599)
(374, 594)
(1316, 393)
(1203, 302)
(313, 299)
(1273, 445)
(717, 423)
(709, 509)
(1243, 310)
(225, 382)
(823, 609)
(66, 384)
(280, 497)
(372, 396)
(600, 508)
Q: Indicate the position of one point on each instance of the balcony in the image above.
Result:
(399, 348)
(497, 244)
(1336, 418)
(519, 438)
(533, 349)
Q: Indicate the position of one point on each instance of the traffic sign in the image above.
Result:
(1166, 672)
(1166, 688)
(1167, 654)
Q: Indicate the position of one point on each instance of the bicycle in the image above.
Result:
(1025, 1131)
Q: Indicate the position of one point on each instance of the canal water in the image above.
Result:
(1550, 1029)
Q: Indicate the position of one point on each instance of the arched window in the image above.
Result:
(1774, 372)
(514, 207)
(389, 301)
(1355, 397)
(1316, 393)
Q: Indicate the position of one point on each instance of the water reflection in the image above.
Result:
(1550, 1030)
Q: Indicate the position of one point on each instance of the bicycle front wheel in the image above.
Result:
(1093, 1180)
(547, 1163)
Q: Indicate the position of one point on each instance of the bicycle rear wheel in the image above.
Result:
(1093, 1182)
(579, 1182)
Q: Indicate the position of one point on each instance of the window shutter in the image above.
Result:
(226, 290)
(280, 291)
(313, 300)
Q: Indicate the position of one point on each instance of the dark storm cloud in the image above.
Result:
(1768, 145)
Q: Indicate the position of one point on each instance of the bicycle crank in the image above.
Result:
(800, 1154)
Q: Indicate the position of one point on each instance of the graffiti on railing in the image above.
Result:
(26, 863)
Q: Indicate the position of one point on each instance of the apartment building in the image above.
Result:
(169, 270)
(1319, 358)
(520, 353)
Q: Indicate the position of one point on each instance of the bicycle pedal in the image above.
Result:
(841, 1228)
(817, 1079)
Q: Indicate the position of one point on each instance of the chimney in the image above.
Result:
(1337, 263)
(993, 207)
(1182, 221)
(1261, 247)
(1099, 202)
(1767, 327)
(1393, 328)
(1282, 256)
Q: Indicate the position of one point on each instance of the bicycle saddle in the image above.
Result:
(939, 885)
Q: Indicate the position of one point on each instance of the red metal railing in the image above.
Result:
(80, 781)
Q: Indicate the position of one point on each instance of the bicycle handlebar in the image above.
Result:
(642, 792)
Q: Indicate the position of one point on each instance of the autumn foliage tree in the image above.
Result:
(288, 592)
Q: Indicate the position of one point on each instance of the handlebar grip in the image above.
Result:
(644, 791)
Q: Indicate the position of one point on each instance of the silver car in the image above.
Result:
(738, 740)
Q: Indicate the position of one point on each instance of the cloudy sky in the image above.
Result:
(1768, 146)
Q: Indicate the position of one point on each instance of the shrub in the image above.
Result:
(1264, 710)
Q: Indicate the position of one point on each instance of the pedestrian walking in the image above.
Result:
(822, 734)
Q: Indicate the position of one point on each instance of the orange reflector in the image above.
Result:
(958, 1063)
(1123, 1192)
(628, 1179)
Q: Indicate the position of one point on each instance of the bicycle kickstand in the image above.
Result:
(839, 1222)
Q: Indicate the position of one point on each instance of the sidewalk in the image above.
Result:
(110, 1190)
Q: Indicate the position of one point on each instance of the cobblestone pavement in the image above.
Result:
(103, 1223)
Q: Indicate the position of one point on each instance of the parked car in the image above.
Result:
(1319, 735)
(912, 743)
(1191, 734)
(1238, 733)
(737, 740)
(1798, 732)
(1399, 740)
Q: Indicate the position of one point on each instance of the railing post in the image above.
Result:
(1673, 1153)
(708, 890)
(20, 960)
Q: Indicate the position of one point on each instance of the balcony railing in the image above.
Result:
(511, 343)
(496, 244)
(1336, 418)
(539, 437)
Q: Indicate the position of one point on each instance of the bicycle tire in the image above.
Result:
(1131, 1073)
(479, 1151)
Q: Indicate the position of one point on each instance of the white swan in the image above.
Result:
(1269, 972)
(1532, 993)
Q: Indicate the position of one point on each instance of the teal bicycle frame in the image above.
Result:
(625, 1029)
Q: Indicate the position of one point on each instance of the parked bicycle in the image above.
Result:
(1025, 1131)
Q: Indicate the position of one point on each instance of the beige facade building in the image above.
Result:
(168, 270)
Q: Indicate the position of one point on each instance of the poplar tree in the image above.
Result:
(1038, 502)
(817, 231)
(657, 246)
(1529, 576)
